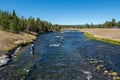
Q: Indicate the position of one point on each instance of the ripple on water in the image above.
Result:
(55, 45)
(60, 37)
(88, 73)
(63, 57)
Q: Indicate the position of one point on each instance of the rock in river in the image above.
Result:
(3, 60)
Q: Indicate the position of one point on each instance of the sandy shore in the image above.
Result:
(8, 40)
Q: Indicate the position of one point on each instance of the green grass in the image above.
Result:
(87, 35)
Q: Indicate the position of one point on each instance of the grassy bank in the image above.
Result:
(87, 35)
(8, 40)
(108, 35)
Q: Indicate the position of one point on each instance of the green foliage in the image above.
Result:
(87, 26)
(11, 22)
(107, 24)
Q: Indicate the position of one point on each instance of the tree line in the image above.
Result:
(9, 21)
(108, 24)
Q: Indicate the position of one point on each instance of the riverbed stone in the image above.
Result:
(113, 74)
(3, 59)
(99, 67)
(117, 78)
(95, 61)
(106, 72)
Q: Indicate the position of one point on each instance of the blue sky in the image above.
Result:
(66, 12)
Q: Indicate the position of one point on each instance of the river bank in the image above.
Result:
(8, 40)
(11, 43)
(109, 35)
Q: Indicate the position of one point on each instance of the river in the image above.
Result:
(63, 56)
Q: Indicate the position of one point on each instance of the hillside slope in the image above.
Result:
(8, 40)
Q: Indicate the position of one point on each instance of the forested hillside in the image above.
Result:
(9, 21)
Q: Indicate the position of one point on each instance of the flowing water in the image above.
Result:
(62, 56)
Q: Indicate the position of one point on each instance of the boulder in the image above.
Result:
(3, 60)
(99, 67)
(113, 74)
(117, 78)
